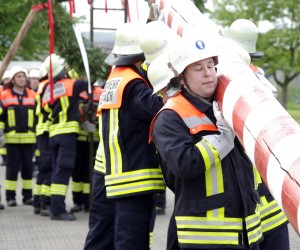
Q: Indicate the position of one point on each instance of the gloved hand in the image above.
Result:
(2, 140)
(87, 112)
(88, 126)
(224, 142)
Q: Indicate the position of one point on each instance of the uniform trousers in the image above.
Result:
(19, 157)
(63, 150)
(134, 216)
(81, 173)
(276, 239)
(44, 173)
(101, 219)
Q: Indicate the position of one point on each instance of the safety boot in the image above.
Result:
(11, 203)
(76, 208)
(45, 211)
(65, 216)
(27, 201)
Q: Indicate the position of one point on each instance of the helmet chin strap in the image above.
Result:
(187, 87)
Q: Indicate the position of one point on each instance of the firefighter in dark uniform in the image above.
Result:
(81, 175)
(4, 81)
(17, 122)
(41, 199)
(63, 132)
(130, 164)
(216, 197)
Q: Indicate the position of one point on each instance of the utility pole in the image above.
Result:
(92, 22)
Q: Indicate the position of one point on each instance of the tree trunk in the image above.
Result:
(284, 95)
(18, 40)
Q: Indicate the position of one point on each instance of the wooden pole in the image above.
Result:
(19, 38)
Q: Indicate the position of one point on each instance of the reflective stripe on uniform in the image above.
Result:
(42, 127)
(209, 238)
(27, 184)
(58, 189)
(227, 230)
(136, 187)
(77, 186)
(65, 128)
(100, 162)
(13, 137)
(253, 226)
(86, 188)
(30, 118)
(64, 102)
(37, 189)
(11, 185)
(213, 174)
(46, 190)
(114, 147)
(271, 215)
(137, 175)
(11, 118)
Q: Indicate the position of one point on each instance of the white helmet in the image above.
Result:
(159, 73)
(42, 69)
(34, 73)
(245, 34)
(126, 48)
(57, 64)
(16, 69)
(127, 39)
(185, 51)
(154, 39)
(6, 75)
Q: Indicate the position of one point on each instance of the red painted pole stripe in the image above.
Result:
(291, 196)
(170, 18)
(72, 7)
(106, 8)
(243, 108)
(39, 6)
(270, 135)
(161, 5)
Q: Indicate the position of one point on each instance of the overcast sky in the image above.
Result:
(139, 11)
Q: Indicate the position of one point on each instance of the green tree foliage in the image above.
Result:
(201, 5)
(35, 46)
(281, 44)
(12, 15)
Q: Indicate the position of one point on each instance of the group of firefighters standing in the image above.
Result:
(29, 119)
(158, 125)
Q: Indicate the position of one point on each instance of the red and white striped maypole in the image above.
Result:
(270, 136)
